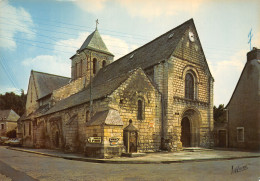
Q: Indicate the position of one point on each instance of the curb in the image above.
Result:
(93, 160)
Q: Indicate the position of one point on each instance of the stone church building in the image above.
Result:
(157, 97)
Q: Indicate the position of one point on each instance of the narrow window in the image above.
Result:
(24, 131)
(94, 65)
(140, 111)
(30, 129)
(2, 126)
(87, 116)
(76, 67)
(80, 68)
(104, 63)
(189, 86)
(240, 134)
(87, 62)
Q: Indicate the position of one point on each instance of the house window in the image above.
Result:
(87, 116)
(189, 86)
(30, 128)
(94, 66)
(24, 132)
(140, 111)
(104, 63)
(2, 126)
(240, 134)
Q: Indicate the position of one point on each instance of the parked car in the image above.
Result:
(3, 139)
(15, 142)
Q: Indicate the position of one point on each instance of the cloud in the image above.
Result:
(49, 64)
(92, 6)
(117, 46)
(60, 64)
(226, 74)
(14, 20)
(150, 9)
(9, 89)
(147, 9)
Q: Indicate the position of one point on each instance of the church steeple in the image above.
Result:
(95, 42)
(91, 57)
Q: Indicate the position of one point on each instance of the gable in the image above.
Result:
(248, 86)
(137, 85)
(191, 51)
(148, 55)
(46, 83)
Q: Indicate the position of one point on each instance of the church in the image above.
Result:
(157, 97)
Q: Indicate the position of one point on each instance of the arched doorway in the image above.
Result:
(57, 139)
(185, 132)
(190, 127)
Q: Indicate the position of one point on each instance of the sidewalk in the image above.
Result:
(150, 158)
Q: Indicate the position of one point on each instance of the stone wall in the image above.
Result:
(105, 149)
(243, 108)
(169, 76)
(31, 103)
(86, 58)
(68, 90)
(125, 100)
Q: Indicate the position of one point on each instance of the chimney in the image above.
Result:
(253, 54)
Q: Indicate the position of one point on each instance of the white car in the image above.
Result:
(15, 142)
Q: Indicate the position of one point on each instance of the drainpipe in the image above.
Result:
(90, 80)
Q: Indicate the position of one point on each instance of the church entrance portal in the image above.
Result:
(190, 128)
(185, 132)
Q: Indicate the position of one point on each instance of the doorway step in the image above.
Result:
(194, 149)
(133, 154)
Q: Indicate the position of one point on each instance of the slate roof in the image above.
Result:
(9, 115)
(147, 55)
(40, 111)
(110, 77)
(98, 91)
(95, 42)
(46, 83)
(108, 117)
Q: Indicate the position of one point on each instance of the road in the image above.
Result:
(15, 165)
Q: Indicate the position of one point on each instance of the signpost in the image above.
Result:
(94, 139)
(113, 141)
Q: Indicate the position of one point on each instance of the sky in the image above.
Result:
(42, 35)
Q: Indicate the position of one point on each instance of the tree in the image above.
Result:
(219, 113)
(11, 134)
(12, 101)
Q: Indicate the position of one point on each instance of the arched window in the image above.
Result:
(94, 66)
(140, 111)
(104, 63)
(189, 86)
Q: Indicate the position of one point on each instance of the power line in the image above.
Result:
(7, 72)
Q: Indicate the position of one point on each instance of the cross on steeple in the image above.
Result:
(250, 35)
(96, 23)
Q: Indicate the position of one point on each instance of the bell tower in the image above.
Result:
(90, 58)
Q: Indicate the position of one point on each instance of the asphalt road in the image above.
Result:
(15, 165)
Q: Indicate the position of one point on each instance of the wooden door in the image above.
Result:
(185, 132)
